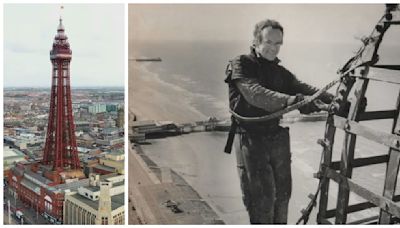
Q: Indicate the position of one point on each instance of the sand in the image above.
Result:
(151, 98)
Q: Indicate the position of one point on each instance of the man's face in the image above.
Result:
(271, 41)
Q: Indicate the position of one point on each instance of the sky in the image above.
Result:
(95, 33)
(318, 38)
(302, 22)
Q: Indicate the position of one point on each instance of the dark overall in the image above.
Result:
(263, 148)
(263, 161)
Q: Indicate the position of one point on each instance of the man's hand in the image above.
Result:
(314, 106)
(321, 105)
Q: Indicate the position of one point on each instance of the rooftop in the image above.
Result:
(73, 186)
(116, 201)
(36, 176)
(110, 130)
(103, 167)
(11, 152)
(30, 185)
(97, 188)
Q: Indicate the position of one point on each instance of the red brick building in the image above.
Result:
(41, 193)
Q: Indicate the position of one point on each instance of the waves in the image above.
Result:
(181, 89)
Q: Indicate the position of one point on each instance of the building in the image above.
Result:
(110, 137)
(28, 184)
(111, 163)
(97, 108)
(26, 107)
(110, 142)
(10, 158)
(111, 107)
(100, 203)
(82, 126)
(80, 195)
(24, 142)
(109, 123)
(120, 118)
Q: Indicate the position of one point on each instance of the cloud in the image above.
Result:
(96, 36)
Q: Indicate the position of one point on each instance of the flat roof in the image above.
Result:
(11, 152)
(116, 201)
(103, 167)
(30, 185)
(97, 188)
(73, 186)
(37, 177)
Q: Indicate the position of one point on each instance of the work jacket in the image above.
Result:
(271, 86)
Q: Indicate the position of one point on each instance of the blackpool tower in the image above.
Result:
(60, 152)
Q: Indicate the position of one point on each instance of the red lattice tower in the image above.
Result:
(60, 149)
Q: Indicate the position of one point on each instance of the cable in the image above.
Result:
(378, 80)
(288, 109)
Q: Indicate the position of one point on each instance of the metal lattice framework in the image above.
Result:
(347, 112)
(60, 149)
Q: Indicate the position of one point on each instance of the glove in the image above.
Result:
(326, 97)
(309, 108)
(321, 105)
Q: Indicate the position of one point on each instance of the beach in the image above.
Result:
(152, 99)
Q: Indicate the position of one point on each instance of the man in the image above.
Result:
(258, 86)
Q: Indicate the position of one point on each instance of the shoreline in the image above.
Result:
(146, 92)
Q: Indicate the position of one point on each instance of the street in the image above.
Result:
(30, 215)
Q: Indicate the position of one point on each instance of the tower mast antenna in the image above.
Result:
(61, 11)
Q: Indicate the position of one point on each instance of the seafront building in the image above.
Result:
(100, 203)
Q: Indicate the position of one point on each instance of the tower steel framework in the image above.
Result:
(60, 149)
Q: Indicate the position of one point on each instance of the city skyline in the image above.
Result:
(97, 44)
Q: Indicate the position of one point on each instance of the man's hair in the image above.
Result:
(264, 24)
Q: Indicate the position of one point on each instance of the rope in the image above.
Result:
(377, 80)
(287, 109)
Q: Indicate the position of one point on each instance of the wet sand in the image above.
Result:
(152, 99)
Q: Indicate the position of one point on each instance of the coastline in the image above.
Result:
(153, 99)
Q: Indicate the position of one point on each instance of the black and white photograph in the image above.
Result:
(263, 113)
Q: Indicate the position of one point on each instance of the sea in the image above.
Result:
(196, 68)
